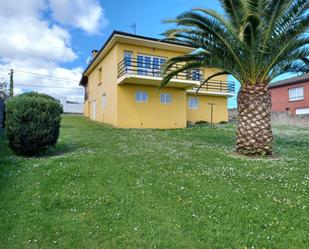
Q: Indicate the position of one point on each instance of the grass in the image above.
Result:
(102, 187)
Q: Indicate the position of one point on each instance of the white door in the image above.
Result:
(94, 109)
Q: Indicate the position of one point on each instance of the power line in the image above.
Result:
(44, 75)
(29, 85)
(59, 80)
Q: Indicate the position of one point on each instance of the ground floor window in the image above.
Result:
(193, 103)
(141, 97)
(165, 98)
(104, 100)
(302, 111)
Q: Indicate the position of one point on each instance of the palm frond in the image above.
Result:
(169, 75)
(254, 41)
(234, 10)
(213, 28)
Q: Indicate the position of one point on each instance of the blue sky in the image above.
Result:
(50, 54)
(147, 15)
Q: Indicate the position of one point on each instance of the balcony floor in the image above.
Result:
(155, 81)
(211, 93)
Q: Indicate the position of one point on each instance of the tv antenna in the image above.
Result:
(133, 27)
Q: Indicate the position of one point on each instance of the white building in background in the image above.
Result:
(72, 104)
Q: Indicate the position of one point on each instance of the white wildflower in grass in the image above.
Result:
(127, 188)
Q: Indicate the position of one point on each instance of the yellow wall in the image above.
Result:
(152, 114)
(210, 71)
(122, 110)
(86, 109)
(144, 50)
(108, 87)
(204, 111)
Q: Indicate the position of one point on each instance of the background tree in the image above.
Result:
(255, 41)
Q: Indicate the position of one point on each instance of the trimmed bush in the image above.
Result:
(32, 122)
(38, 95)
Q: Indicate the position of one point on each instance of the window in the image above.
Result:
(302, 111)
(100, 75)
(196, 74)
(296, 93)
(165, 98)
(147, 62)
(127, 60)
(140, 65)
(141, 97)
(193, 103)
(104, 100)
(149, 65)
(156, 63)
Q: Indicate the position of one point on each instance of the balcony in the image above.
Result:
(133, 71)
(216, 88)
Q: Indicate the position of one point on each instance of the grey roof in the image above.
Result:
(290, 81)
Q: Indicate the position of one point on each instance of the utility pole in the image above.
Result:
(211, 113)
(11, 93)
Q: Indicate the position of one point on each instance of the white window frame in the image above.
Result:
(128, 55)
(296, 93)
(141, 97)
(166, 98)
(196, 74)
(150, 68)
(190, 103)
(302, 111)
(104, 100)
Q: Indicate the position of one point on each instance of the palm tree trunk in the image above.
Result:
(254, 135)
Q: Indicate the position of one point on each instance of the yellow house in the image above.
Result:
(121, 86)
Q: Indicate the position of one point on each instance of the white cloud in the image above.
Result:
(87, 15)
(25, 36)
(29, 42)
(31, 7)
(54, 80)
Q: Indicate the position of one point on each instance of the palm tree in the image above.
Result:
(255, 41)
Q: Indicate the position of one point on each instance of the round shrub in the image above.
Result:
(32, 122)
(38, 95)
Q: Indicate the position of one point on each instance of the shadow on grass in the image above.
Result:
(57, 151)
(60, 149)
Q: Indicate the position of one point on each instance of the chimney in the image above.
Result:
(94, 52)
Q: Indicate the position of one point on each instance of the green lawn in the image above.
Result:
(102, 187)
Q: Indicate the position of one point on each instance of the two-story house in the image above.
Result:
(122, 86)
(291, 95)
